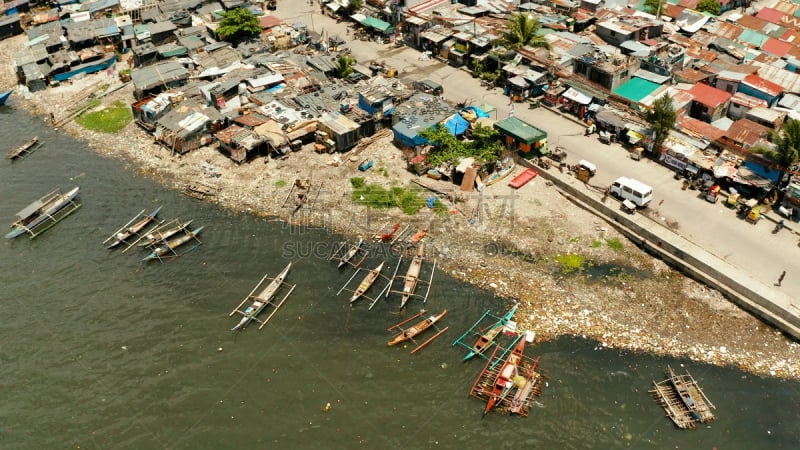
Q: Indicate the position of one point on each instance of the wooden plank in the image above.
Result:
(469, 179)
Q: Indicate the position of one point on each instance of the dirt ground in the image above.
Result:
(523, 248)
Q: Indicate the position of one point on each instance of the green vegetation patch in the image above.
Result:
(110, 119)
(596, 243)
(378, 197)
(571, 263)
(280, 183)
(614, 244)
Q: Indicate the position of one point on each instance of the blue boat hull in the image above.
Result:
(4, 96)
(22, 230)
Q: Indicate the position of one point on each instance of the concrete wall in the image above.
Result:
(671, 248)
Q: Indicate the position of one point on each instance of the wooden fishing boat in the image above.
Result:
(500, 174)
(503, 384)
(691, 396)
(23, 149)
(262, 300)
(411, 332)
(487, 339)
(366, 283)
(43, 212)
(683, 400)
(130, 230)
(163, 233)
(170, 245)
(529, 389)
(350, 253)
(412, 276)
(4, 96)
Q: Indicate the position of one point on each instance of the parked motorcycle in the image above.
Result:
(778, 227)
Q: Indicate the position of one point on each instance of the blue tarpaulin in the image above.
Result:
(457, 125)
(478, 112)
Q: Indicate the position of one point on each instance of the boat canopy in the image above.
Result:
(30, 209)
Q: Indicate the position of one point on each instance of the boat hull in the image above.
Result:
(45, 211)
(411, 332)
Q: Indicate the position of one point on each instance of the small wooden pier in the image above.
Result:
(683, 400)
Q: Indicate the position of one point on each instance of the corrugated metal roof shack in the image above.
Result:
(340, 129)
(522, 136)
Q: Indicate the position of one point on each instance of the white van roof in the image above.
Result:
(634, 184)
(587, 164)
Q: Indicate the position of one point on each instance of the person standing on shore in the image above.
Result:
(780, 278)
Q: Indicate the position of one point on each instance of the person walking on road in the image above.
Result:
(780, 278)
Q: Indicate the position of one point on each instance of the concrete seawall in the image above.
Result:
(774, 308)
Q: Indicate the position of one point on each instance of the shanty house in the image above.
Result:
(708, 103)
(761, 88)
(187, 127)
(341, 130)
(238, 142)
(158, 77)
(522, 136)
(10, 26)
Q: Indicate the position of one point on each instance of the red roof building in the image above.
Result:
(763, 85)
(770, 15)
(708, 95)
(776, 47)
(743, 134)
(752, 22)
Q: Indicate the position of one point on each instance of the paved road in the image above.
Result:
(714, 227)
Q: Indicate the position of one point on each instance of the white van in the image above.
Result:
(629, 189)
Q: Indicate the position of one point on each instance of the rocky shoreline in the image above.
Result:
(570, 272)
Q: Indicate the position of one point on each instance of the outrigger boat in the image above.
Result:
(164, 232)
(167, 249)
(262, 300)
(411, 278)
(4, 96)
(44, 213)
(531, 386)
(366, 283)
(500, 174)
(503, 383)
(347, 256)
(129, 230)
(487, 339)
(683, 400)
(24, 149)
(411, 332)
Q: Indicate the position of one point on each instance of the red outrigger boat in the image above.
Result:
(411, 332)
(504, 383)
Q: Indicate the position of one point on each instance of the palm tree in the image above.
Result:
(344, 66)
(786, 151)
(523, 29)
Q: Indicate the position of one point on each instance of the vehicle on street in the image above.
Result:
(633, 190)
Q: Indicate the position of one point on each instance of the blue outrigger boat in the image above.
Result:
(4, 96)
(42, 214)
(486, 337)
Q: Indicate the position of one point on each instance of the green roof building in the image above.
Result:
(522, 136)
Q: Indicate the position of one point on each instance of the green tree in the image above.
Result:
(786, 150)
(522, 30)
(238, 24)
(709, 6)
(352, 7)
(651, 6)
(449, 149)
(662, 118)
(344, 66)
